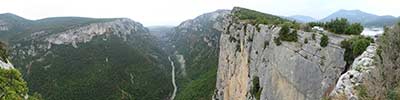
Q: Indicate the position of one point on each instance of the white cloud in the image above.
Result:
(172, 12)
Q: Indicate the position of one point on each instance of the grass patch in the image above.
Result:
(256, 89)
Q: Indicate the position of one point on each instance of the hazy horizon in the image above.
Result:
(173, 12)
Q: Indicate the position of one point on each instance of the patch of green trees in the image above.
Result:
(355, 47)
(340, 26)
(255, 17)
(285, 34)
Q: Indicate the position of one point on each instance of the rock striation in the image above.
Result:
(290, 71)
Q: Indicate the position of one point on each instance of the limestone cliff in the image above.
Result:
(290, 71)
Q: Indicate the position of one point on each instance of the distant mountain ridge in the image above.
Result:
(366, 19)
(353, 16)
(301, 18)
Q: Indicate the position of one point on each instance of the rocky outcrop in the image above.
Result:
(6, 64)
(120, 27)
(361, 66)
(290, 71)
(39, 43)
(3, 26)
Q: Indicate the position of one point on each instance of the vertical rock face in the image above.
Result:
(290, 71)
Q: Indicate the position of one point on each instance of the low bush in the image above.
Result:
(313, 36)
(324, 40)
(355, 47)
(305, 41)
(277, 41)
(285, 34)
(256, 90)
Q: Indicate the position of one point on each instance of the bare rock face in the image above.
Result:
(3, 26)
(6, 64)
(86, 33)
(43, 40)
(290, 71)
(361, 66)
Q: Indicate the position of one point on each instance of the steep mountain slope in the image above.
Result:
(253, 65)
(195, 49)
(301, 18)
(364, 18)
(68, 58)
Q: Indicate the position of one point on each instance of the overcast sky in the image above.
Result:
(172, 12)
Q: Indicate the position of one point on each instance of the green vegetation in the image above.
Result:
(355, 47)
(286, 35)
(394, 93)
(354, 29)
(362, 92)
(12, 85)
(389, 50)
(201, 61)
(305, 41)
(256, 89)
(201, 88)
(101, 70)
(313, 36)
(340, 26)
(324, 40)
(106, 68)
(255, 17)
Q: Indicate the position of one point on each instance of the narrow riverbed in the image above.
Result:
(173, 78)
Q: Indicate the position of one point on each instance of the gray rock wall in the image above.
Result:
(291, 71)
